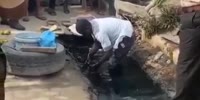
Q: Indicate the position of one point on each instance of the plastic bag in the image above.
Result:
(48, 39)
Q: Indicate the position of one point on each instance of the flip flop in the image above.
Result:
(66, 23)
(52, 22)
(26, 19)
(41, 17)
(50, 12)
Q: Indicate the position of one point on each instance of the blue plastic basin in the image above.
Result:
(26, 40)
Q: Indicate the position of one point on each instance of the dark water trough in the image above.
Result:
(133, 84)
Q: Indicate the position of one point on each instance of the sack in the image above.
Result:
(48, 39)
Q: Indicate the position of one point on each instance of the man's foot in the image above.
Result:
(26, 19)
(4, 22)
(16, 25)
(106, 76)
(101, 13)
(66, 11)
(41, 17)
(51, 11)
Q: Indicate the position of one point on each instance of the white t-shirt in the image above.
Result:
(110, 31)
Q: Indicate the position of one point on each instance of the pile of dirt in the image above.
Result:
(156, 64)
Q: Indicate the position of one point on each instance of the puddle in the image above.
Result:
(133, 84)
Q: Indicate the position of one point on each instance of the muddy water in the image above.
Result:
(132, 84)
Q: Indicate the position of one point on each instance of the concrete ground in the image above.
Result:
(34, 24)
(68, 84)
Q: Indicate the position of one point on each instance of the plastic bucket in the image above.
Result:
(26, 40)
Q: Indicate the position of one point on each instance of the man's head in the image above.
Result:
(84, 27)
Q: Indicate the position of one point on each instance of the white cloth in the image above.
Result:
(110, 31)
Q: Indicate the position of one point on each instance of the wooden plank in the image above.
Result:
(39, 49)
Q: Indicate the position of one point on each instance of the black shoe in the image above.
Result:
(16, 25)
(4, 22)
(66, 11)
(51, 11)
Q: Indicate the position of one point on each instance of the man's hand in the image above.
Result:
(94, 67)
(96, 46)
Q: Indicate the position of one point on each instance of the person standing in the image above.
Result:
(3, 73)
(114, 36)
(11, 11)
(34, 8)
(108, 6)
(52, 5)
(188, 66)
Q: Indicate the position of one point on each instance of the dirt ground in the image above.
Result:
(156, 64)
(69, 84)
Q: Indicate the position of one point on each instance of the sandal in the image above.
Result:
(51, 11)
(26, 19)
(16, 25)
(4, 22)
(66, 23)
(52, 22)
(41, 17)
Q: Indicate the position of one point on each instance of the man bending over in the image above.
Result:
(114, 36)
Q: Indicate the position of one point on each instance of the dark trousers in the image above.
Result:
(52, 3)
(188, 67)
(32, 5)
(110, 3)
(116, 70)
(2, 76)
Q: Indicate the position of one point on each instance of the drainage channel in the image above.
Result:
(132, 84)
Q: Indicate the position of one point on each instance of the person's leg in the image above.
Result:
(188, 67)
(39, 10)
(13, 23)
(30, 7)
(51, 9)
(2, 76)
(11, 18)
(101, 7)
(4, 21)
(111, 8)
(116, 70)
(52, 4)
(66, 6)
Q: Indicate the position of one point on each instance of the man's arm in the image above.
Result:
(105, 57)
(96, 46)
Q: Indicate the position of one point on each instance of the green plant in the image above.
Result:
(167, 21)
(168, 18)
(159, 3)
(150, 25)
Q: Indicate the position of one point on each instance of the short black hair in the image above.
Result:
(83, 26)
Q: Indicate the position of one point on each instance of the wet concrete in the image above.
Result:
(132, 84)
